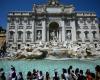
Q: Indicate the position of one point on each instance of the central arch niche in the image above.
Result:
(53, 31)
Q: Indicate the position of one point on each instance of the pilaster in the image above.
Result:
(73, 30)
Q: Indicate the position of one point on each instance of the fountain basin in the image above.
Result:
(48, 65)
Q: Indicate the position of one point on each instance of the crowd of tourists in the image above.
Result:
(66, 74)
(2, 54)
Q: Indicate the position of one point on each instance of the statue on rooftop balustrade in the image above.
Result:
(53, 2)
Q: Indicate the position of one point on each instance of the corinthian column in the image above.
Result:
(63, 30)
(73, 30)
(43, 30)
(33, 35)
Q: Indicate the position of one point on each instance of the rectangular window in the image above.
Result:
(67, 23)
(19, 46)
(11, 35)
(28, 35)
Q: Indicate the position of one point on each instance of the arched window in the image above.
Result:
(20, 34)
(11, 35)
(28, 34)
(86, 34)
(19, 46)
(78, 34)
(94, 34)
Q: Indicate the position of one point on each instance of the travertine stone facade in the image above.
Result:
(52, 21)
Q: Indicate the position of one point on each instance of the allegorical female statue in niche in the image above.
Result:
(39, 35)
(69, 35)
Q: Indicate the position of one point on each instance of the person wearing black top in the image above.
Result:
(81, 76)
(56, 77)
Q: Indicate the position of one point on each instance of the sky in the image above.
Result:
(26, 5)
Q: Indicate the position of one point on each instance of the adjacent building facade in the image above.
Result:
(49, 22)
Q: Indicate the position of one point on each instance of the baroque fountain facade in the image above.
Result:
(54, 28)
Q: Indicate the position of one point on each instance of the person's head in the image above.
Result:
(70, 67)
(64, 70)
(47, 73)
(97, 68)
(34, 71)
(1, 69)
(29, 73)
(20, 73)
(81, 72)
(77, 70)
(88, 72)
(13, 69)
(41, 73)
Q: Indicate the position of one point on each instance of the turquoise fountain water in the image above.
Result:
(48, 65)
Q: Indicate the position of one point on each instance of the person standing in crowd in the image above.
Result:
(56, 77)
(20, 76)
(64, 75)
(13, 77)
(81, 76)
(12, 74)
(2, 74)
(38, 74)
(77, 72)
(88, 75)
(47, 76)
(29, 75)
(97, 70)
(34, 74)
(70, 69)
(73, 75)
(41, 77)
